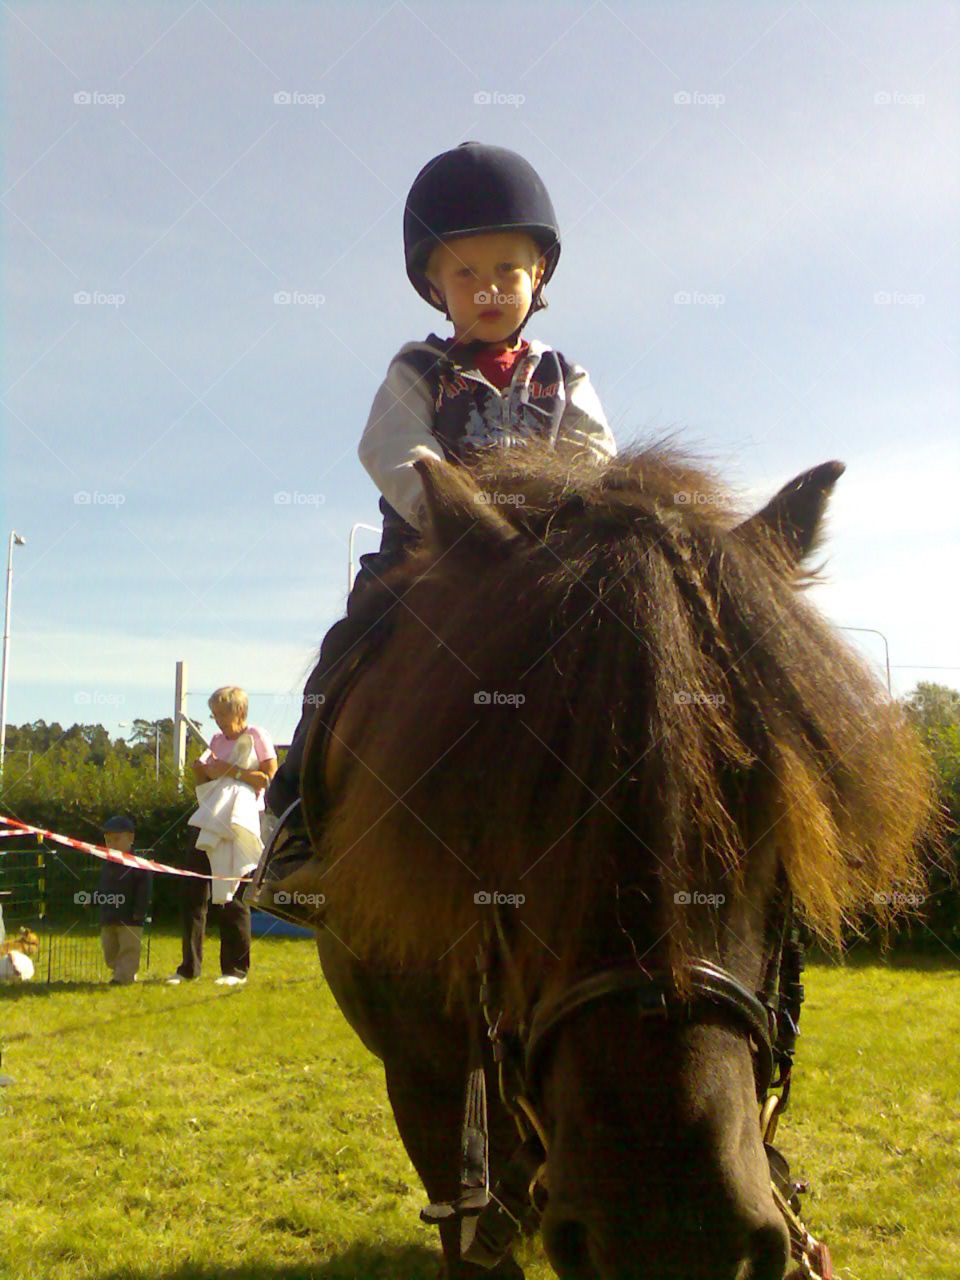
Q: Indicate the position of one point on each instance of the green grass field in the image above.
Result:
(199, 1133)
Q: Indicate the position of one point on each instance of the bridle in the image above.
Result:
(491, 1219)
(709, 986)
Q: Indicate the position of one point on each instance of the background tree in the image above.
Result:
(933, 707)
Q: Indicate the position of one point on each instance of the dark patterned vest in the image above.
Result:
(470, 415)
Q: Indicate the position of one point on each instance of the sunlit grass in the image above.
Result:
(198, 1131)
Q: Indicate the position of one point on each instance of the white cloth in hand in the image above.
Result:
(229, 820)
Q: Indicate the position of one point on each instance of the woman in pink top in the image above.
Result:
(229, 706)
(215, 761)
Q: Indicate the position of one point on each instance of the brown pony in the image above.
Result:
(602, 699)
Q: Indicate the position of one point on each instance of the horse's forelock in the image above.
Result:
(533, 490)
(668, 705)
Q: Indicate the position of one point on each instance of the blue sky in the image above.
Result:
(791, 167)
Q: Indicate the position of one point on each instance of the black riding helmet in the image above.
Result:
(475, 189)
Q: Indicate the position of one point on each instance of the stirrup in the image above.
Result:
(271, 887)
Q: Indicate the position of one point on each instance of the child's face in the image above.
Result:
(122, 840)
(487, 282)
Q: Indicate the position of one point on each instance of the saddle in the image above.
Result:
(284, 883)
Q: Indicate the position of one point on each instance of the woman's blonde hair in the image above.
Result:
(229, 698)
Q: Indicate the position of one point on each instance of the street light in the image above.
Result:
(15, 541)
(373, 528)
(155, 724)
(886, 648)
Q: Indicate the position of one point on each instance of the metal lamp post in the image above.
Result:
(886, 648)
(15, 541)
(373, 528)
(155, 725)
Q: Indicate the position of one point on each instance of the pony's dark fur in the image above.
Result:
(684, 710)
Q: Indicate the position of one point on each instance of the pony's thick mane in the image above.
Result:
(598, 680)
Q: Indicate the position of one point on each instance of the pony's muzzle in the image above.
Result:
(579, 1250)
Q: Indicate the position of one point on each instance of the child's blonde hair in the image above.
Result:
(229, 698)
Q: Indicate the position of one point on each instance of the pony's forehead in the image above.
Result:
(532, 484)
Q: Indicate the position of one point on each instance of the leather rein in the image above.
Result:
(492, 1218)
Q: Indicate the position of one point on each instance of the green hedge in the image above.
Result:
(68, 791)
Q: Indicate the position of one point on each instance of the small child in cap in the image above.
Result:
(480, 242)
(123, 901)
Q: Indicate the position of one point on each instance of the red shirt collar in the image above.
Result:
(497, 367)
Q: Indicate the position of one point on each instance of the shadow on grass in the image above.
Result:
(179, 1001)
(868, 955)
(38, 988)
(360, 1262)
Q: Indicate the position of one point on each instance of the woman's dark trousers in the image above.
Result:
(233, 918)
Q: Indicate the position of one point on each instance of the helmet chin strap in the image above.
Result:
(441, 301)
(511, 338)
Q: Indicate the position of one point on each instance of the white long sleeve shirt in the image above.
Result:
(402, 426)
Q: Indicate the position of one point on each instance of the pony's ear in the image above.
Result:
(460, 512)
(794, 514)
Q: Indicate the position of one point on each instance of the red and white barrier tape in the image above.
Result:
(101, 851)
